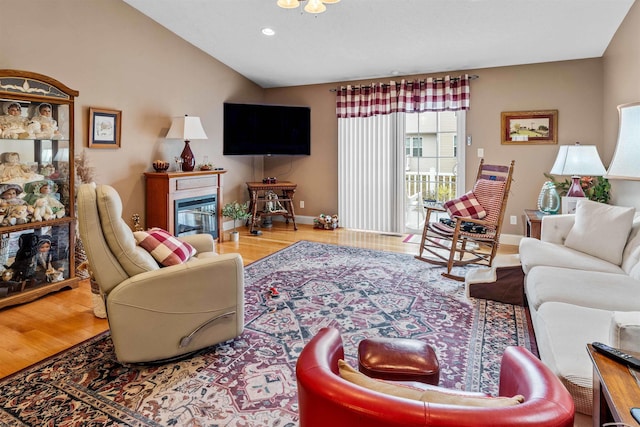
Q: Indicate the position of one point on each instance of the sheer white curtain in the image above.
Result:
(370, 152)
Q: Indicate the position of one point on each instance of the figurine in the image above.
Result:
(12, 123)
(42, 125)
(12, 171)
(44, 270)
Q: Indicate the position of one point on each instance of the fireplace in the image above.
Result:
(196, 215)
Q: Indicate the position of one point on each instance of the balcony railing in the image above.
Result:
(431, 186)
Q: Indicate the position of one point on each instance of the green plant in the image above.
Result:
(597, 189)
(236, 211)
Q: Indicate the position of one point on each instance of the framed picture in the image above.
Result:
(569, 204)
(104, 128)
(529, 127)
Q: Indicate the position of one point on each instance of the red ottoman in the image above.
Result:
(398, 359)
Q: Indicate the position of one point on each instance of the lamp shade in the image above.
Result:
(578, 160)
(626, 159)
(186, 128)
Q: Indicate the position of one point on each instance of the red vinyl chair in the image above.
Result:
(325, 399)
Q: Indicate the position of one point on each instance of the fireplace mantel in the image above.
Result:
(164, 190)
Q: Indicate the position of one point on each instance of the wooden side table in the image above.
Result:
(533, 223)
(615, 391)
(259, 192)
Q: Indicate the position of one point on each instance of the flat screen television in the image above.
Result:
(267, 130)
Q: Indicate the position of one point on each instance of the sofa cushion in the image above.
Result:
(534, 252)
(562, 334)
(165, 248)
(625, 330)
(466, 206)
(606, 291)
(600, 230)
(432, 394)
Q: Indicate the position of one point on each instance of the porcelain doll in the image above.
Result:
(12, 171)
(44, 189)
(44, 126)
(12, 123)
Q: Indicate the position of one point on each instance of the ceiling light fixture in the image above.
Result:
(313, 6)
(268, 31)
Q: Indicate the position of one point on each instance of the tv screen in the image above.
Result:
(266, 130)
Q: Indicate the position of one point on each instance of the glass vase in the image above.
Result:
(549, 200)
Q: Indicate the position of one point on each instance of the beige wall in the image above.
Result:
(621, 86)
(119, 59)
(574, 88)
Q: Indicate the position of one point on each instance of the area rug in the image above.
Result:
(250, 381)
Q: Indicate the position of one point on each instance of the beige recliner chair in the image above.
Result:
(155, 312)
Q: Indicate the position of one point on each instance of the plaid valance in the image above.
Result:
(445, 94)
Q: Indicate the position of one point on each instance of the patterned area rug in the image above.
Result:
(250, 381)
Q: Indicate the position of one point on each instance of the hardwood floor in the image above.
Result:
(34, 331)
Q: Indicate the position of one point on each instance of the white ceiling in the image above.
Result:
(366, 39)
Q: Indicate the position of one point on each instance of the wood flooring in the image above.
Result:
(36, 330)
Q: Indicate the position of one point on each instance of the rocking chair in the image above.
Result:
(471, 234)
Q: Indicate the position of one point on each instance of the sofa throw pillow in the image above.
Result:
(466, 206)
(165, 248)
(433, 395)
(600, 230)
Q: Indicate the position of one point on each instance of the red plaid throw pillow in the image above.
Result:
(466, 206)
(164, 247)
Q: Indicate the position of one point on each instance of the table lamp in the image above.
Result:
(578, 160)
(186, 128)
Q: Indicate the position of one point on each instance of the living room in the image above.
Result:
(118, 58)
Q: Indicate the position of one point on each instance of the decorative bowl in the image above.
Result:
(161, 165)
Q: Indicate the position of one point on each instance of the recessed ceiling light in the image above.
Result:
(268, 31)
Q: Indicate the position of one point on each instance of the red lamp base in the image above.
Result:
(188, 161)
(576, 189)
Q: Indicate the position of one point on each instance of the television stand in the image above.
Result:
(262, 194)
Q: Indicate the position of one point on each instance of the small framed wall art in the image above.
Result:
(529, 127)
(104, 128)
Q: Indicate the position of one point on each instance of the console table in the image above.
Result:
(166, 191)
(259, 193)
(615, 391)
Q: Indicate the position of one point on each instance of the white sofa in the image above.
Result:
(582, 283)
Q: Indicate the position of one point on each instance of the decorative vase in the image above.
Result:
(234, 236)
(549, 200)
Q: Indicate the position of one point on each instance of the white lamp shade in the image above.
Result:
(579, 160)
(315, 6)
(186, 128)
(626, 159)
(288, 4)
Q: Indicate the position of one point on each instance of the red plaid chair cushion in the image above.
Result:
(466, 206)
(489, 194)
(165, 248)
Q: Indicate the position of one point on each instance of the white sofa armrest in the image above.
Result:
(555, 228)
(625, 330)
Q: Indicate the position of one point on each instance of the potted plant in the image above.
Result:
(235, 211)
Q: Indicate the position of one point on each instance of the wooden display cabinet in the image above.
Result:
(37, 209)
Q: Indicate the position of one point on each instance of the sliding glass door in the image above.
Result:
(434, 162)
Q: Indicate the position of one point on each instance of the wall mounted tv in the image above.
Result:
(266, 130)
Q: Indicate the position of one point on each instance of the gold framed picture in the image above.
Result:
(104, 128)
(529, 127)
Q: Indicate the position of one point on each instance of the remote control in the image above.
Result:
(617, 355)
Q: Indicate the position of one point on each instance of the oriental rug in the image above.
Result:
(250, 381)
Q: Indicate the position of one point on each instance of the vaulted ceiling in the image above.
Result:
(366, 39)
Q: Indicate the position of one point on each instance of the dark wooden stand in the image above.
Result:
(615, 391)
(257, 191)
(533, 223)
(164, 188)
